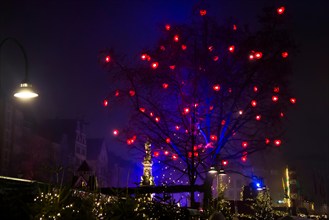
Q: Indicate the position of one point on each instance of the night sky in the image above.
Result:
(63, 38)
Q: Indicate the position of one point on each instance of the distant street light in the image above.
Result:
(25, 89)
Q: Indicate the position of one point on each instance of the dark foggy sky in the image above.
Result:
(62, 39)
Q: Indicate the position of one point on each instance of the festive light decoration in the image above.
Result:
(258, 117)
(213, 137)
(172, 67)
(216, 87)
(184, 47)
(167, 140)
(176, 38)
(142, 109)
(117, 93)
(277, 142)
(115, 132)
(244, 144)
(203, 12)
(293, 100)
(224, 162)
(215, 58)
(275, 98)
(267, 141)
(284, 54)
(105, 102)
(210, 48)
(253, 103)
(186, 110)
(258, 55)
(155, 65)
(281, 114)
(167, 27)
(234, 27)
(280, 10)
(231, 48)
(107, 59)
(276, 89)
(165, 85)
(156, 154)
(255, 89)
(132, 92)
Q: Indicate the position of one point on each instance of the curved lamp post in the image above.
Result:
(25, 89)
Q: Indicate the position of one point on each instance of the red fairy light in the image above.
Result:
(277, 142)
(240, 112)
(224, 162)
(167, 140)
(255, 89)
(258, 117)
(176, 38)
(213, 137)
(234, 27)
(157, 119)
(167, 27)
(105, 102)
(172, 67)
(186, 110)
(216, 87)
(276, 89)
(284, 54)
(166, 153)
(281, 114)
(293, 100)
(253, 103)
(215, 58)
(251, 57)
(244, 158)
(275, 98)
(142, 109)
(203, 12)
(129, 142)
(258, 55)
(267, 141)
(280, 10)
(231, 48)
(144, 56)
(174, 157)
(156, 154)
(196, 154)
(244, 144)
(151, 114)
(189, 154)
(155, 65)
(184, 47)
(115, 132)
(210, 48)
(165, 85)
(230, 90)
(177, 127)
(211, 107)
(162, 48)
(195, 148)
(117, 93)
(223, 122)
(132, 92)
(107, 59)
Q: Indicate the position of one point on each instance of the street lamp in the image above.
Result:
(25, 89)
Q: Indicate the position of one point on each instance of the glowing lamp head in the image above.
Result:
(280, 10)
(25, 92)
(203, 12)
(155, 65)
(212, 170)
(231, 48)
(216, 87)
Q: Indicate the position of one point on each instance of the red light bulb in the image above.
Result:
(142, 109)
(216, 87)
(174, 157)
(293, 100)
(253, 103)
(213, 137)
(165, 85)
(156, 154)
(258, 117)
(105, 102)
(244, 158)
(155, 65)
(255, 89)
(176, 38)
(234, 27)
(258, 55)
(276, 89)
(132, 92)
(275, 98)
(215, 58)
(231, 48)
(172, 67)
(107, 59)
(115, 132)
(184, 47)
(186, 110)
(166, 153)
(277, 142)
(224, 162)
(267, 141)
(167, 27)
(167, 140)
(203, 12)
(280, 10)
(244, 144)
(284, 54)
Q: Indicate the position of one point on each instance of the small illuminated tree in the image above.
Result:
(207, 93)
